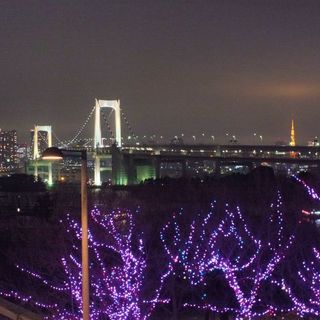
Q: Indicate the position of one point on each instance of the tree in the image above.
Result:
(304, 287)
(225, 247)
(118, 265)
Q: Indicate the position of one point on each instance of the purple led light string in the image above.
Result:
(309, 274)
(208, 244)
(116, 287)
(311, 191)
(205, 250)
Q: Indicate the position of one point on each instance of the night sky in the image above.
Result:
(177, 66)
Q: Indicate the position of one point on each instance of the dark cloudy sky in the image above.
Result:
(178, 66)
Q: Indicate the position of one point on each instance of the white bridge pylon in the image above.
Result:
(98, 143)
(37, 129)
(36, 153)
(112, 104)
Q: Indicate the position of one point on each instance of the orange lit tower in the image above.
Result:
(292, 135)
(292, 139)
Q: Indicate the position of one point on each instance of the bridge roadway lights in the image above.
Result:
(124, 172)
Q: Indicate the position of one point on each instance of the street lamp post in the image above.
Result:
(54, 153)
(261, 139)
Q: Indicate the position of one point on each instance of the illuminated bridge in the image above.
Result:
(132, 161)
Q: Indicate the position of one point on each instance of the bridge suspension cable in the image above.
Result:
(106, 120)
(125, 118)
(60, 142)
(42, 138)
(81, 128)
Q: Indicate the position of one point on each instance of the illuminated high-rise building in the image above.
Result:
(8, 150)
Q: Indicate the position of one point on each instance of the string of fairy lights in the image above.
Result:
(231, 248)
(116, 291)
(131, 134)
(311, 191)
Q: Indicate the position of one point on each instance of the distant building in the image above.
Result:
(314, 142)
(8, 150)
(22, 156)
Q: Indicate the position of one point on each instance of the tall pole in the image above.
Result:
(84, 237)
(54, 153)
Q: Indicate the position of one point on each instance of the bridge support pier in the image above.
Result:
(97, 171)
(133, 169)
(119, 167)
(50, 180)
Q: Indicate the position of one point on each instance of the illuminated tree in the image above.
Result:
(300, 279)
(229, 247)
(220, 262)
(304, 292)
(118, 265)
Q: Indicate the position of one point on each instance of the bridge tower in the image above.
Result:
(98, 143)
(37, 149)
(37, 133)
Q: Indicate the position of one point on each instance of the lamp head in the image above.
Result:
(52, 153)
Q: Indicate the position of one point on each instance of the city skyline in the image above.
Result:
(217, 67)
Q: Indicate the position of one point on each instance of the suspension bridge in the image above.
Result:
(134, 159)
